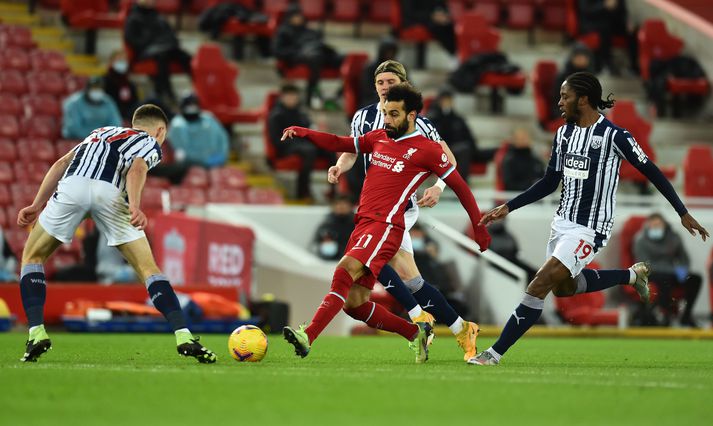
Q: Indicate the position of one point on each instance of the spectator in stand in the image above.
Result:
(287, 113)
(434, 15)
(333, 234)
(388, 49)
(425, 254)
(8, 262)
(150, 36)
(521, 167)
(119, 87)
(297, 44)
(88, 109)
(608, 18)
(196, 137)
(579, 59)
(454, 130)
(505, 244)
(662, 248)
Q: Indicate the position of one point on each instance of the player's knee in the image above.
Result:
(541, 285)
(356, 297)
(352, 266)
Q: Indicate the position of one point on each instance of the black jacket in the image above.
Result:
(521, 168)
(279, 119)
(451, 126)
(291, 42)
(148, 33)
(123, 91)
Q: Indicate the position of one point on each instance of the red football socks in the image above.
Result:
(375, 315)
(331, 304)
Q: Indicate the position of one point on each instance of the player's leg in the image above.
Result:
(33, 289)
(138, 254)
(591, 280)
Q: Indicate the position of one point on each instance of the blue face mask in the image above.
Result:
(120, 66)
(655, 233)
(418, 244)
(328, 249)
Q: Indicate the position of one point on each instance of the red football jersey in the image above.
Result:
(397, 168)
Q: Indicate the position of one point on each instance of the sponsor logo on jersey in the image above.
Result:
(576, 166)
(410, 152)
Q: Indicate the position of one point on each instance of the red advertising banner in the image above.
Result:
(196, 252)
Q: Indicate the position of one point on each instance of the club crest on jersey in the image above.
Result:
(597, 142)
(410, 152)
(576, 166)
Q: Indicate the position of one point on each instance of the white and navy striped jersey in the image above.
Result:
(371, 118)
(108, 152)
(589, 160)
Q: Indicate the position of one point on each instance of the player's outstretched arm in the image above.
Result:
(135, 180)
(432, 194)
(327, 141)
(462, 190)
(345, 162)
(29, 214)
(495, 214)
(692, 226)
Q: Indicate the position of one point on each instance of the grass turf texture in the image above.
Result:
(111, 379)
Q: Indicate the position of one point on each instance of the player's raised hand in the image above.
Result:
(482, 237)
(430, 197)
(497, 213)
(27, 216)
(333, 174)
(293, 132)
(138, 218)
(692, 226)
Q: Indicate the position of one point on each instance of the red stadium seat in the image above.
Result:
(698, 171)
(351, 71)
(553, 14)
(488, 9)
(224, 195)
(63, 146)
(46, 82)
(9, 127)
(418, 34)
(42, 104)
(15, 237)
(587, 308)
(151, 198)
(36, 148)
(10, 105)
(314, 10)
(498, 160)
(379, 11)
(214, 82)
(5, 197)
(183, 197)
(13, 81)
(265, 196)
(520, 14)
(8, 151)
(48, 60)
(157, 182)
(3, 215)
(543, 79)
(624, 114)
(23, 193)
(346, 11)
(655, 42)
(274, 7)
(74, 83)
(31, 172)
(15, 58)
(16, 36)
(228, 178)
(290, 162)
(90, 14)
(457, 8)
(42, 126)
(197, 177)
(6, 173)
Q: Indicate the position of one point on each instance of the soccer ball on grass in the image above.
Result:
(247, 344)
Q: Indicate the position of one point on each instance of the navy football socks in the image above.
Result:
(164, 299)
(434, 302)
(396, 287)
(524, 317)
(33, 290)
(600, 279)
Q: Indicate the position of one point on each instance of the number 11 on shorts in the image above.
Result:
(365, 238)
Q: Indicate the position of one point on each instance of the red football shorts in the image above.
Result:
(373, 244)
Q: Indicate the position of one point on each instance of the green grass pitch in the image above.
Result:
(108, 379)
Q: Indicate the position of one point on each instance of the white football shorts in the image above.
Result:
(76, 198)
(410, 218)
(572, 244)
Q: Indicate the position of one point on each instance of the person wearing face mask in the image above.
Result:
(197, 137)
(119, 87)
(333, 234)
(659, 245)
(454, 129)
(521, 167)
(88, 109)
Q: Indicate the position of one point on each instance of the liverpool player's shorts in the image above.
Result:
(410, 218)
(76, 198)
(373, 244)
(572, 244)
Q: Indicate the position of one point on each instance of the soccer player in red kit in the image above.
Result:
(401, 161)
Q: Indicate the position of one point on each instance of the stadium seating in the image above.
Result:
(288, 163)
(3, 215)
(586, 308)
(42, 126)
(38, 149)
(314, 10)
(16, 36)
(15, 58)
(498, 160)
(543, 80)
(214, 82)
(42, 104)
(5, 197)
(197, 177)
(23, 193)
(698, 171)
(74, 83)
(351, 71)
(6, 173)
(418, 34)
(488, 9)
(553, 14)
(474, 36)
(182, 197)
(10, 105)
(346, 11)
(46, 82)
(90, 14)
(592, 39)
(31, 172)
(48, 60)
(520, 14)
(63, 146)
(225, 195)
(8, 152)
(228, 178)
(9, 127)
(12, 81)
(624, 114)
(264, 196)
